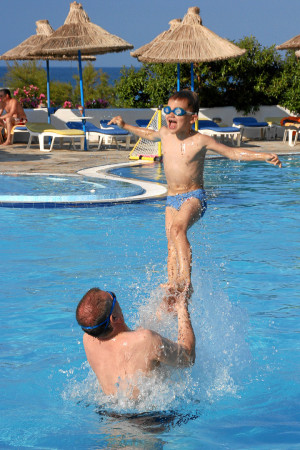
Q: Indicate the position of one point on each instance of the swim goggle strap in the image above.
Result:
(177, 111)
(106, 321)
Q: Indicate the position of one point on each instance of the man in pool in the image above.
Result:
(119, 355)
(184, 151)
(14, 113)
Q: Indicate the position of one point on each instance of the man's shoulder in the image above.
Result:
(11, 100)
(143, 333)
(143, 336)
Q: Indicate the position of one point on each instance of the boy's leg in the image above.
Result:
(172, 252)
(183, 219)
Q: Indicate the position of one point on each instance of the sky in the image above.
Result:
(140, 21)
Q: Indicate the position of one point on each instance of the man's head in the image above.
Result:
(97, 311)
(4, 93)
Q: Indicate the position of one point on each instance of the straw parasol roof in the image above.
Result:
(79, 33)
(188, 42)
(291, 44)
(140, 51)
(23, 51)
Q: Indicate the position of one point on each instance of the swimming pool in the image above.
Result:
(90, 187)
(243, 391)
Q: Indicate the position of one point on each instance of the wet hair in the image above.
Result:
(6, 92)
(190, 96)
(93, 309)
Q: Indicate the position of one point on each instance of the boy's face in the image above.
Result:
(177, 124)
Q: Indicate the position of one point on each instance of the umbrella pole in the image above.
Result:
(48, 90)
(48, 96)
(178, 77)
(82, 98)
(192, 77)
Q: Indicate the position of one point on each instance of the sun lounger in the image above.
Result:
(142, 122)
(113, 133)
(91, 131)
(17, 129)
(42, 130)
(251, 123)
(211, 128)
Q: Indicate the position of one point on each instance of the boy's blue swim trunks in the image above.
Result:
(176, 201)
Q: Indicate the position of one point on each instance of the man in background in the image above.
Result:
(11, 113)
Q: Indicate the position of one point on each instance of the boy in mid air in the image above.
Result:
(184, 151)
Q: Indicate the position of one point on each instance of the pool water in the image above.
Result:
(51, 185)
(243, 391)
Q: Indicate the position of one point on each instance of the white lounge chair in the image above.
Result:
(42, 130)
(250, 123)
(113, 133)
(211, 128)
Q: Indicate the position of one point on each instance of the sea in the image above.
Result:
(66, 74)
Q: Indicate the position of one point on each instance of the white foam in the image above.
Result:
(222, 354)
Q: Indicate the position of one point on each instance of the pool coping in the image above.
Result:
(151, 190)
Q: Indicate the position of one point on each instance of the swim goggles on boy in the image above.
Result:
(177, 111)
(106, 321)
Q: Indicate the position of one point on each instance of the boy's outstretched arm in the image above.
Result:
(144, 133)
(241, 154)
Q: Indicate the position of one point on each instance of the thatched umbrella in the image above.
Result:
(79, 36)
(188, 42)
(142, 50)
(23, 51)
(291, 44)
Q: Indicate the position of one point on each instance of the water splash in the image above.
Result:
(222, 356)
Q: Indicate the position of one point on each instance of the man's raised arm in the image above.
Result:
(181, 354)
(144, 133)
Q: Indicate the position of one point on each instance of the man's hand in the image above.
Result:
(117, 121)
(273, 159)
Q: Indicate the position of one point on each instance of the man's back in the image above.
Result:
(119, 356)
(118, 361)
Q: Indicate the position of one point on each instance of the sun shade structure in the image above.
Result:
(79, 36)
(142, 50)
(79, 33)
(23, 51)
(291, 44)
(188, 42)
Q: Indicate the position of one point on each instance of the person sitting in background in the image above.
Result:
(119, 355)
(14, 113)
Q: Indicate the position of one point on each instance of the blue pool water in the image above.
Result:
(243, 391)
(35, 186)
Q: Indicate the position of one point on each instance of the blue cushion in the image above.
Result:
(20, 128)
(90, 127)
(111, 129)
(222, 129)
(206, 123)
(142, 122)
(213, 126)
(249, 122)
